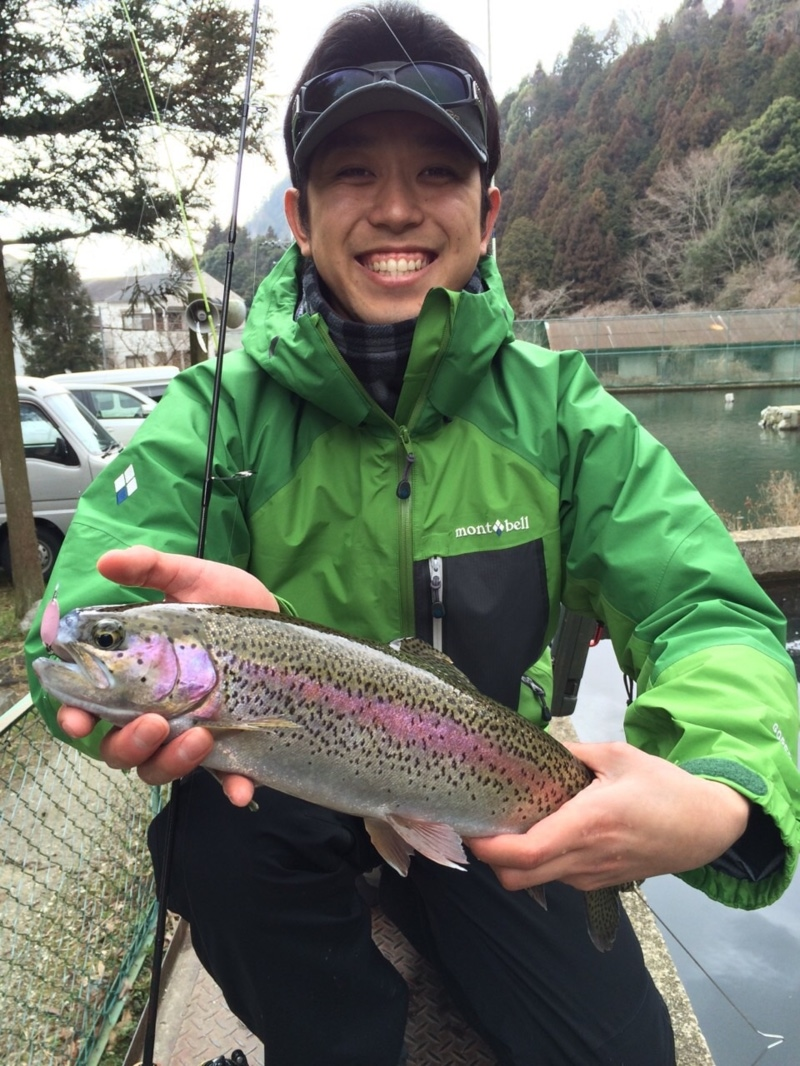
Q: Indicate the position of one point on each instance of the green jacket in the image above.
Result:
(508, 474)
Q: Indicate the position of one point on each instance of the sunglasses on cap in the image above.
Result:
(446, 93)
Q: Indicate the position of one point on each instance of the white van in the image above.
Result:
(150, 380)
(120, 409)
(65, 449)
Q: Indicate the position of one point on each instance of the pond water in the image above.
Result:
(741, 969)
(720, 445)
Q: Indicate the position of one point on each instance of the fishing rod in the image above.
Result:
(208, 478)
(171, 815)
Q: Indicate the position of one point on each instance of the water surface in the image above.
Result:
(720, 445)
(751, 959)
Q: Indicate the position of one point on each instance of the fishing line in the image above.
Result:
(775, 1037)
(126, 129)
(148, 87)
(404, 50)
(171, 816)
(227, 286)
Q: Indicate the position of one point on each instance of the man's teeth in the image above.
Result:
(398, 264)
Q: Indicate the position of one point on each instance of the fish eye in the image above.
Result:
(108, 634)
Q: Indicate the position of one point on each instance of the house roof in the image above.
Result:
(120, 290)
(692, 329)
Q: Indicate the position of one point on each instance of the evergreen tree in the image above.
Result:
(253, 258)
(525, 260)
(80, 151)
(770, 147)
(56, 316)
(601, 135)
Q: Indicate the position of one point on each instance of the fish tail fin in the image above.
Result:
(602, 917)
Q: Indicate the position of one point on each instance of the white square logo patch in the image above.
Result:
(125, 485)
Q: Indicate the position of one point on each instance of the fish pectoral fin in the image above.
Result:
(602, 917)
(438, 842)
(389, 844)
(538, 893)
(255, 726)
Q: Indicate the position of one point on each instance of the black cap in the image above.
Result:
(465, 119)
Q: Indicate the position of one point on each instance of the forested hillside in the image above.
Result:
(660, 177)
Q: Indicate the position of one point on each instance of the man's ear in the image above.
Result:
(493, 196)
(291, 208)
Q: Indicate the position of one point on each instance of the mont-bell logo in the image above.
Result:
(498, 527)
(125, 485)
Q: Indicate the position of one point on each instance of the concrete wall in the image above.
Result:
(773, 556)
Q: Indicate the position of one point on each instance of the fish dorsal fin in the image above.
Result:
(419, 653)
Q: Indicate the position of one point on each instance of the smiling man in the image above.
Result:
(414, 469)
(392, 210)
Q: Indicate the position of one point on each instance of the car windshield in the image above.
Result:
(96, 439)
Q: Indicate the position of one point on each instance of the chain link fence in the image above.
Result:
(76, 894)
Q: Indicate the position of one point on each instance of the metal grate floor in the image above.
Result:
(195, 1024)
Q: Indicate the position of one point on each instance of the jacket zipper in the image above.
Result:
(406, 559)
(403, 492)
(437, 599)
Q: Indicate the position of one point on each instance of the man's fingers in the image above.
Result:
(185, 578)
(178, 758)
(75, 723)
(239, 790)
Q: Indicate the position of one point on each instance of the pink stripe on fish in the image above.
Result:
(431, 733)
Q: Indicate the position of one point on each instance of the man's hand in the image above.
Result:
(141, 743)
(640, 817)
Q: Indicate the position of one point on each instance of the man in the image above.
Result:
(396, 433)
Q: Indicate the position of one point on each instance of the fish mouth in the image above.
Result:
(76, 660)
(74, 678)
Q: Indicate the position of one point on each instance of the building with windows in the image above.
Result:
(141, 319)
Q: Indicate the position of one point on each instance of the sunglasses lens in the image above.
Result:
(447, 87)
(443, 85)
(440, 84)
(328, 88)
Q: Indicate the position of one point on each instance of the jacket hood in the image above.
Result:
(455, 341)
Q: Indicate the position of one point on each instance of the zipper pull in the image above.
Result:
(404, 485)
(437, 599)
(539, 695)
(437, 605)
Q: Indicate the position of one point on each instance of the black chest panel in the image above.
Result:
(493, 608)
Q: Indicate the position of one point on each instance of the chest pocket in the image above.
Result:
(487, 611)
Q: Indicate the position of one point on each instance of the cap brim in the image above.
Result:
(385, 96)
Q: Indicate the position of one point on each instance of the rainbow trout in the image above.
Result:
(394, 734)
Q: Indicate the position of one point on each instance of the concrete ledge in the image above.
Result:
(772, 554)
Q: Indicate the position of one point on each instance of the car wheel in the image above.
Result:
(48, 544)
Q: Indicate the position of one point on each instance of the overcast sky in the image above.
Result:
(510, 38)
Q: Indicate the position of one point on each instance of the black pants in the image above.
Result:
(278, 923)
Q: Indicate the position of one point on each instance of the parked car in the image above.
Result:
(65, 448)
(150, 380)
(122, 410)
